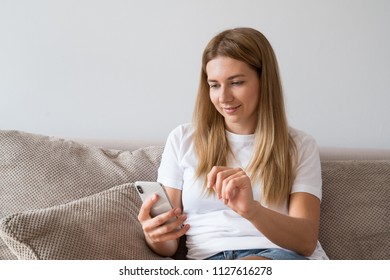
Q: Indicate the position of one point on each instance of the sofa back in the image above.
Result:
(41, 175)
(355, 209)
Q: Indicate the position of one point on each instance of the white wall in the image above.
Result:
(129, 69)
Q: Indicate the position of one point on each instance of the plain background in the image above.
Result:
(123, 69)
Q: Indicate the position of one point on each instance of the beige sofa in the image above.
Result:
(63, 199)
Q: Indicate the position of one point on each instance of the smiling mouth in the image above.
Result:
(230, 110)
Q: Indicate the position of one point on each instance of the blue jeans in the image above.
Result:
(272, 253)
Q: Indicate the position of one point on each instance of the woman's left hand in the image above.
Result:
(233, 187)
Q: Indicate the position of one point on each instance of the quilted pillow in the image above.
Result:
(101, 226)
(38, 171)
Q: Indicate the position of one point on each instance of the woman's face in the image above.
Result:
(234, 91)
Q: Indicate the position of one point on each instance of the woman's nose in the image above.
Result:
(225, 95)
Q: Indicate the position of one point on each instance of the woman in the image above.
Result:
(245, 185)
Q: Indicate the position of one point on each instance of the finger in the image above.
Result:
(225, 183)
(223, 178)
(233, 174)
(174, 223)
(212, 175)
(169, 231)
(144, 211)
(215, 178)
(158, 225)
(172, 235)
(233, 185)
(165, 217)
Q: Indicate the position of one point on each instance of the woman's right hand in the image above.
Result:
(162, 228)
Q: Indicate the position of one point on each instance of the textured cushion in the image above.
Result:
(101, 226)
(355, 211)
(39, 171)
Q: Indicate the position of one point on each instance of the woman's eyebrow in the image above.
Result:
(236, 76)
(229, 78)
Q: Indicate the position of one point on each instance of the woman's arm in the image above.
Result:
(297, 231)
(162, 236)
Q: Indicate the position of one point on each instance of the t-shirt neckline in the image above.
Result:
(239, 137)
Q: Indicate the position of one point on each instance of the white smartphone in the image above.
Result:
(147, 189)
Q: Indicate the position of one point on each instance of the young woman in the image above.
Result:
(245, 184)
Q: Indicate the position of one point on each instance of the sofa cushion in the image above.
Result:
(355, 209)
(39, 171)
(101, 226)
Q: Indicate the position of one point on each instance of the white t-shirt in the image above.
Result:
(214, 227)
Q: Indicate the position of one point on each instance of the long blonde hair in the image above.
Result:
(274, 149)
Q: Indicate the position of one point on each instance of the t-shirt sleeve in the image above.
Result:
(308, 177)
(170, 173)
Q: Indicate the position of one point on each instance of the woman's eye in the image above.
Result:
(237, 83)
(214, 85)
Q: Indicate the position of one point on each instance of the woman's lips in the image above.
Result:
(230, 110)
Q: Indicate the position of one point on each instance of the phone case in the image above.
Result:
(147, 189)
